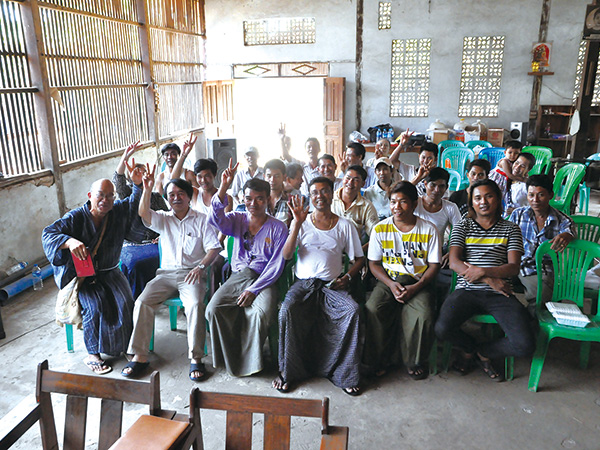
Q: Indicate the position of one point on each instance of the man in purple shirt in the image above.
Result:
(241, 310)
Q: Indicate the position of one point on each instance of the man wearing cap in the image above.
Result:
(377, 193)
(253, 171)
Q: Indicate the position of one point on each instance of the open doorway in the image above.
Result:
(261, 105)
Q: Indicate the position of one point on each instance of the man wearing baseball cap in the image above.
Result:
(377, 193)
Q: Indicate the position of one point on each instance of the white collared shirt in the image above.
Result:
(183, 243)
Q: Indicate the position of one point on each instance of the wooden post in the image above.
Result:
(147, 70)
(42, 99)
(359, 62)
(537, 80)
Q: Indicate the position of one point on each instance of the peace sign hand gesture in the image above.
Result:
(229, 175)
(405, 137)
(296, 205)
(149, 177)
(189, 145)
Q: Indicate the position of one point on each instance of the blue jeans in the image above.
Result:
(508, 312)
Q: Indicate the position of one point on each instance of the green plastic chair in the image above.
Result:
(587, 228)
(473, 144)
(570, 267)
(492, 154)
(543, 155)
(457, 158)
(566, 182)
(584, 190)
(455, 180)
(448, 144)
(509, 361)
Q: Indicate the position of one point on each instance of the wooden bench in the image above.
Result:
(277, 418)
(78, 388)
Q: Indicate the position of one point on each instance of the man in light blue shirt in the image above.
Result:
(377, 193)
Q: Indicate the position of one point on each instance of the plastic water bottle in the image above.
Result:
(16, 267)
(378, 135)
(38, 283)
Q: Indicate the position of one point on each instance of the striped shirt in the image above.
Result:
(485, 248)
(407, 253)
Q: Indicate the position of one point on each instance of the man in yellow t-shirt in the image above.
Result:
(404, 255)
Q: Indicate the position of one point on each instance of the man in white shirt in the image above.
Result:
(243, 175)
(378, 193)
(188, 245)
(516, 192)
(327, 167)
(319, 319)
(428, 157)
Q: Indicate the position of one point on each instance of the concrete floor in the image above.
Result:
(444, 411)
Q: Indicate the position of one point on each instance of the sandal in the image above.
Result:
(489, 370)
(280, 384)
(418, 372)
(463, 365)
(135, 369)
(197, 367)
(98, 367)
(353, 391)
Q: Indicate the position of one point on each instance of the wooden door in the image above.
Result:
(333, 115)
(217, 98)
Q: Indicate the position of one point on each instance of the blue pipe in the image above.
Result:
(16, 287)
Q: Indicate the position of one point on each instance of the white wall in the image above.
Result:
(447, 22)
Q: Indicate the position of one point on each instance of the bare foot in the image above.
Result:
(97, 364)
(280, 384)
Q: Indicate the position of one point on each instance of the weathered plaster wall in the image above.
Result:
(445, 21)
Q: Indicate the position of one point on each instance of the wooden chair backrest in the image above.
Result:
(78, 388)
(277, 412)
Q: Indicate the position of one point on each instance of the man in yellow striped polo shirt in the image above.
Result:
(404, 255)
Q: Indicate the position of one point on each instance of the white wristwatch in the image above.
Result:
(201, 266)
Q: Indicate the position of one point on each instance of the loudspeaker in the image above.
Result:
(518, 131)
(221, 150)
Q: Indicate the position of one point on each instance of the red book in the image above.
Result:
(84, 268)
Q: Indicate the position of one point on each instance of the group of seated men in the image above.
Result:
(326, 222)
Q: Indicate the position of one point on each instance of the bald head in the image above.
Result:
(101, 185)
(102, 197)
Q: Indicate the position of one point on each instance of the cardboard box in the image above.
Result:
(439, 136)
(495, 137)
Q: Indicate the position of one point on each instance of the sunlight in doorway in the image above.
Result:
(260, 105)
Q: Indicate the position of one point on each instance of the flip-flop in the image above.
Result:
(136, 369)
(283, 383)
(352, 393)
(197, 367)
(413, 372)
(489, 370)
(98, 367)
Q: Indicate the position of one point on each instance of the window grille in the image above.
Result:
(385, 15)
(481, 75)
(579, 75)
(20, 152)
(296, 30)
(409, 93)
(94, 63)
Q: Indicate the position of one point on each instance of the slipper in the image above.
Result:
(353, 393)
(136, 369)
(462, 365)
(489, 370)
(197, 367)
(418, 372)
(282, 389)
(98, 367)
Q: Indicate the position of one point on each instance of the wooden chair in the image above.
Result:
(277, 418)
(78, 389)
